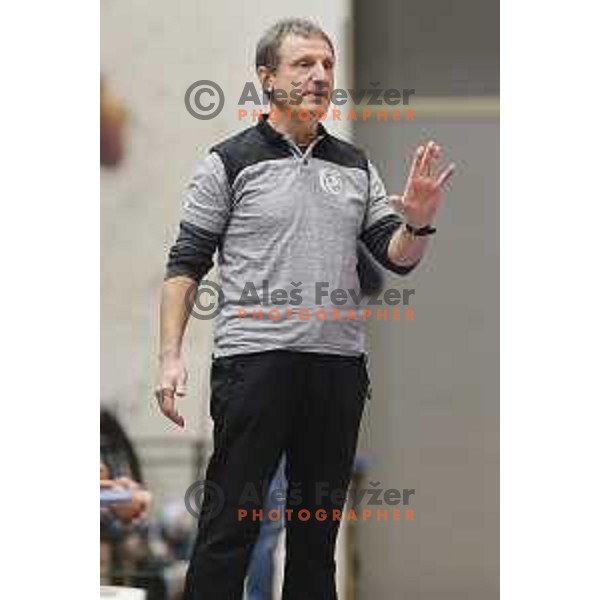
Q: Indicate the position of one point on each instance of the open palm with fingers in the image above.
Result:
(424, 187)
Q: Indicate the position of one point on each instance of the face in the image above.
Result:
(308, 63)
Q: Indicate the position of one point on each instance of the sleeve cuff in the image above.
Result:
(377, 239)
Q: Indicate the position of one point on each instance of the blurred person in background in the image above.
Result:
(261, 572)
(285, 201)
(124, 550)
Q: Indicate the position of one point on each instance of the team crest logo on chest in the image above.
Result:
(331, 181)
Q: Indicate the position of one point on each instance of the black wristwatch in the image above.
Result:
(420, 231)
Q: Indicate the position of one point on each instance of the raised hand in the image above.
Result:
(424, 187)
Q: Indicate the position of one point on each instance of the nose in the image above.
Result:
(319, 73)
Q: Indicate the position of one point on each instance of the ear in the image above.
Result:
(264, 76)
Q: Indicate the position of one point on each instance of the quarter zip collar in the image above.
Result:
(306, 154)
(287, 141)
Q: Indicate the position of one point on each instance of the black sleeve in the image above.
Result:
(377, 239)
(370, 275)
(191, 254)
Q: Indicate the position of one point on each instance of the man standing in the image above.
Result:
(285, 203)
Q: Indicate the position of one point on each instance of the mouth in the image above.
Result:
(315, 94)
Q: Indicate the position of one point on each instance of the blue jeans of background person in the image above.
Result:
(259, 582)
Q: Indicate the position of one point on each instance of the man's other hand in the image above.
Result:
(171, 385)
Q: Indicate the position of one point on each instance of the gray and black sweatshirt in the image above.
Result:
(287, 223)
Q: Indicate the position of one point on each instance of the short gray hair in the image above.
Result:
(267, 50)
